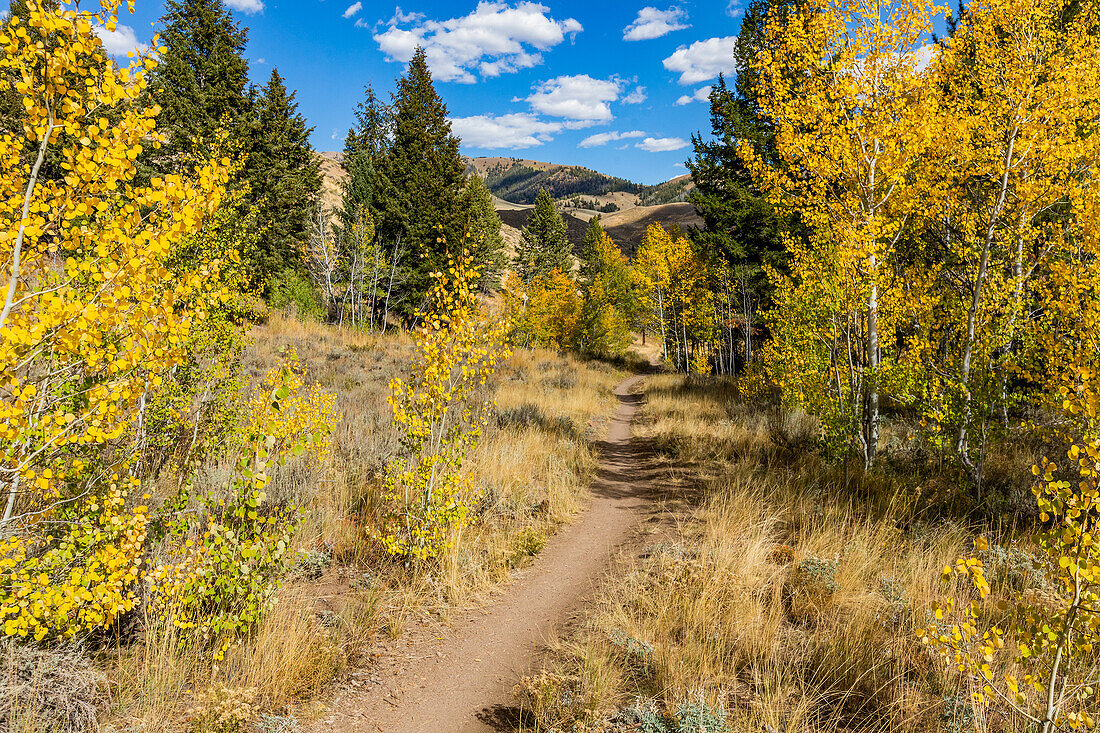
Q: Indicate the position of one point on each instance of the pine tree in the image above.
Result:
(365, 148)
(483, 233)
(200, 82)
(424, 176)
(543, 246)
(590, 250)
(285, 178)
(739, 222)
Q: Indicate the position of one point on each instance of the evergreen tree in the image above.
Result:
(543, 246)
(200, 82)
(424, 177)
(590, 250)
(285, 178)
(739, 222)
(483, 232)
(365, 148)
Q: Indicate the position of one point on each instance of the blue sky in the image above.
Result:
(615, 86)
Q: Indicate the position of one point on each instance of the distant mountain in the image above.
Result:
(515, 182)
(519, 181)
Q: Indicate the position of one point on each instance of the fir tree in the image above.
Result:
(740, 223)
(590, 250)
(424, 176)
(200, 82)
(365, 149)
(285, 178)
(483, 232)
(543, 247)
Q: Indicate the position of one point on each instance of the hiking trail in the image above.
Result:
(459, 677)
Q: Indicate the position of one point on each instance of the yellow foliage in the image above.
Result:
(458, 346)
(97, 311)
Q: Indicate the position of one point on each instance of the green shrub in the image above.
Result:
(292, 291)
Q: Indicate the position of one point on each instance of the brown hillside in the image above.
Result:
(628, 227)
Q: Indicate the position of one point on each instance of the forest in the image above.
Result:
(829, 462)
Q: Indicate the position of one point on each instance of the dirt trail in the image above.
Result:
(459, 678)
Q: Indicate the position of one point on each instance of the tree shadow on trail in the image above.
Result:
(639, 469)
(505, 718)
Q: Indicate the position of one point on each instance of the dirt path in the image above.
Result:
(460, 678)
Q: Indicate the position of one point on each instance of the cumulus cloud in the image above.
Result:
(662, 144)
(603, 138)
(701, 95)
(703, 60)
(246, 6)
(635, 97)
(353, 9)
(496, 38)
(653, 23)
(580, 98)
(504, 131)
(120, 41)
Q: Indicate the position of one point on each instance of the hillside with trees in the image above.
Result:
(394, 439)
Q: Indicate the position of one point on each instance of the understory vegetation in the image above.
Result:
(340, 594)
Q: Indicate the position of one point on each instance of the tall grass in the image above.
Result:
(783, 596)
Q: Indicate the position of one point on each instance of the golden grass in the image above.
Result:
(532, 468)
(779, 595)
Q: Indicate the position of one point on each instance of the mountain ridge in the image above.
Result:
(626, 208)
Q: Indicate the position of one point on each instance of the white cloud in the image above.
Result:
(734, 9)
(701, 95)
(703, 60)
(603, 138)
(496, 38)
(579, 98)
(653, 23)
(120, 41)
(353, 10)
(662, 144)
(635, 97)
(246, 6)
(504, 131)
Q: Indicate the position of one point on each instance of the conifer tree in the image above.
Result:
(739, 223)
(200, 83)
(483, 233)
(424, 177)
(544, 246)
(365, 148)
(590, 250)
(285, 178)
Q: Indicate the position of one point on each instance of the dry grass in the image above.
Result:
(781, 596)
(532, 466)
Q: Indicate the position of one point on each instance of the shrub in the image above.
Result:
(811, 586)
(458, 348)
(527, 543)
(293, 292)
(695, 716)
(227, 561)
(793, 430)
(222, 709)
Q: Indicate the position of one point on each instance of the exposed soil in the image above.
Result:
(458, 677)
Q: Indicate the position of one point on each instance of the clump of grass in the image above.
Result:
(56, 690)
